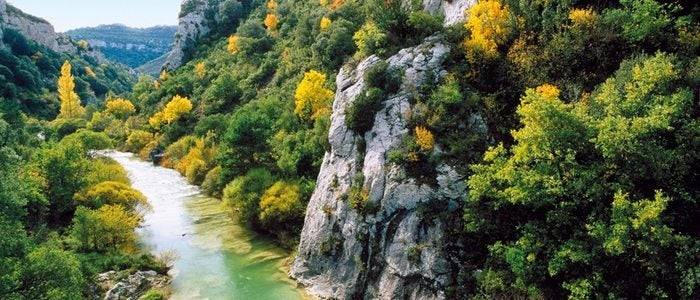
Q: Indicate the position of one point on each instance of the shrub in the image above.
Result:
(111, 227)
(154, 294)
(99, 121)
(111, 193)
(89, 140)
(62, 127)
(424, 138)
(137, 140)
(212, 184)
(360, 114)
(243, 193)
(179, 149)
(281, 207)
(425, 23)
(106, 169)
(370, 39)
(51, 273)
(488, 22)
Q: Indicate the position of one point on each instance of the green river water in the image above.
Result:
(215, 257)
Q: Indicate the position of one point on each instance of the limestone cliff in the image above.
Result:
(192, 25)
(404, 249)
(40, 31)
(452, 10)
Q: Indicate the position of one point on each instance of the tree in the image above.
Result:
(173, 111)
(120, 108)
(111, 193)
(488, 23)
(370, 39)
(325, 23)
(271, 22)
(232, 45)
(281, 207)
(311, 98)
(200, 70)
(70, 102)
(111, 227)
(590, 188)
(51, 273)
(243, 194)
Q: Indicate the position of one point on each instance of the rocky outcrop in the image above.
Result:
(111, 287)
(403, 250)
(192, 25)
(40, 31)
(452, 10)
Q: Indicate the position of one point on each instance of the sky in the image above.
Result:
(71, 14)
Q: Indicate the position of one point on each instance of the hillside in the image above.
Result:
(464, 149)
(133, 47)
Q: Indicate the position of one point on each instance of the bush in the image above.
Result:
(106, 169)
(179, 149)
(370, 39)
(243, 193)
(51, 273)
(212, 184)
(425, 23)
(89, 140)
(137, 140)
(63, 127)
(281, 208)
(99, 121)
(111, 227)
(360, 114)
(111, 193)
(154, 294)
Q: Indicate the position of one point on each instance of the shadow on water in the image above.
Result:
(215, 257)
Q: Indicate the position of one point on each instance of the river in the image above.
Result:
(215, 257)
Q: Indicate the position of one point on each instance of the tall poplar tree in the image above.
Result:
(70, 102)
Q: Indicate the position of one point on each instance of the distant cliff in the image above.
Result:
(41, 31)
(133, 47)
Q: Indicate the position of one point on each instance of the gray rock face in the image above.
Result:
(131, 287)
(401, 250)
(40, 31)
(191, 27)
(453, 11)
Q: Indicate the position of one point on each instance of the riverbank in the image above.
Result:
(215, 257)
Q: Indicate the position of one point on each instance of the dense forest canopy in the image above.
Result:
(583, 185)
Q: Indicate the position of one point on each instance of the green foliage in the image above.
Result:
(281, 207)
(213, 183)
(243, 193)
(112, 193)
(111, 227)
(563, 221)
(360, 117)
(89, 140)
(63, 127)
(154, 294)
(52, 273)
(137, 140)
(641, 19)
(370, 39)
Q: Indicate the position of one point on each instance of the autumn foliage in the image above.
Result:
(70, 102)
(173, 111)
(312, 99)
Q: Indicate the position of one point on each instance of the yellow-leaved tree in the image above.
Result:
(489, 26)
(424, 138)
(271, 22)
(173, 111)
(120, 108)
(312, 99)
(70, 102)
(232, 44)
(200, 70)
(325, 23)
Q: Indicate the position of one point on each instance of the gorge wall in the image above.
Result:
(405, 249)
